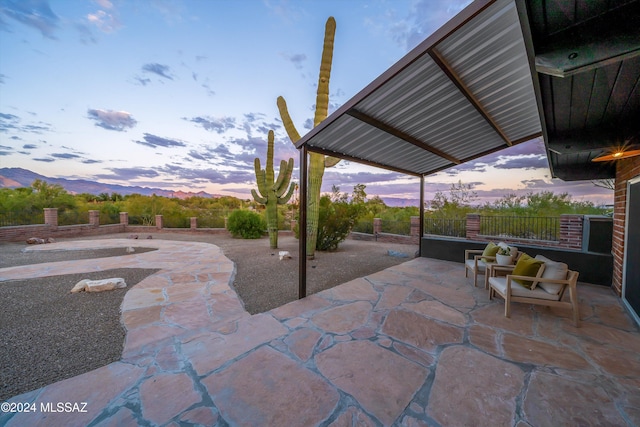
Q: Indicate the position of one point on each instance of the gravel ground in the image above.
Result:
(49, 334)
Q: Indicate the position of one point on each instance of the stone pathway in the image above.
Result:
(413, 345)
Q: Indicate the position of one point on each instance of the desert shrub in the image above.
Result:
(245, 224)
(335, 222)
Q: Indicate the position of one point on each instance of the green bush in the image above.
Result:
(245, 224)
(335, 222)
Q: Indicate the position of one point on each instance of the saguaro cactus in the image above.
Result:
(317, 162)
(272, 193)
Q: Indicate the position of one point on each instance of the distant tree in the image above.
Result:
(47, 195)
(609, 184)
(454, 205)
(359, 195)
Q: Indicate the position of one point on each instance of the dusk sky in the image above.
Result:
(180, 95)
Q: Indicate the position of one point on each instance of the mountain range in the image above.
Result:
(18, 177)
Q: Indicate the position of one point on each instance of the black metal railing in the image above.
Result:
(26, 217)
(72, 218)
(148, 220)
(363, 226)
(402, 228)
(532, 228)
(445, 227)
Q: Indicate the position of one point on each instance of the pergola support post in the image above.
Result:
(302, 227)
(421, 212)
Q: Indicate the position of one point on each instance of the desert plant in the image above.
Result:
(317, 162)
(272, 192)
(245, 224)
(335, 222)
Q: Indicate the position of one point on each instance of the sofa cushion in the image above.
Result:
(490, 250)
(527, 266)
(552, 270)
(517, 290)
(482, 266)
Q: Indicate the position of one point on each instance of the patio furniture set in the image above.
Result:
(518, 277)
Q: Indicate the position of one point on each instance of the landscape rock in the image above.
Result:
(87, 285)
(132, 236)
(35, 241)
(284, 255)
(397, 254)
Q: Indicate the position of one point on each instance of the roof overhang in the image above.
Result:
(464, 92)
(587, 57)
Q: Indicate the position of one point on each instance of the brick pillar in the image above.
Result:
(377, 226)
(415, 226)
(159, 222)
(51, 217)
(193, 222)
(294, 224)
(473, 226)
(94, 218)
(124, 218)
(571, 231)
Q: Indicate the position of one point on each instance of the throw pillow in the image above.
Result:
(527, 266)
(552, 270)
(490, 251)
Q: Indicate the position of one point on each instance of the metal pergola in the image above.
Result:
(492, 77)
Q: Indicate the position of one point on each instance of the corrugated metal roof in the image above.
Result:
(465, 92)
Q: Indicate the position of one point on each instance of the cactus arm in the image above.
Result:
(286, 170)
(257, 198)
(322, 96)
(283, 200)
(260, 177)
(286, 120)
(331, 161)
(269, 168)
(281, 177)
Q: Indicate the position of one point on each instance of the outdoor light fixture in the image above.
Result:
(617, 154)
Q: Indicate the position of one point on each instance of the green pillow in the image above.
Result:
(490, 250)
(526, 266)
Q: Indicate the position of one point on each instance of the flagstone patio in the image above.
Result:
(413, 345)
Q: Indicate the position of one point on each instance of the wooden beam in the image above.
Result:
(456, 80)
(400, 134)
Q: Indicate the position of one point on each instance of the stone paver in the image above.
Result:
(267, 388)
(413, 345)
(471, 386)
(383, 382)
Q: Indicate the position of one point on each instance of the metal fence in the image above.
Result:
(148, 220)
(363, 226)
(534, 228)
(445, 227)
(28, 217)
(73, 218)
(402, 228)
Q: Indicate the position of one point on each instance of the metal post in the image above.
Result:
(421, 234)
(302, 226)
